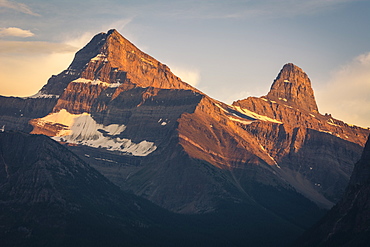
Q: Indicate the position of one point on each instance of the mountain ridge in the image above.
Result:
(49, 196)
(157, 137)
(47, 193)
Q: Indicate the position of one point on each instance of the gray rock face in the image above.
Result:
(15, 113)
(48, 194)
(57, 83)
(348, 223)
(152, 134)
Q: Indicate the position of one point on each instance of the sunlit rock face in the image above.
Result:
(108, 65)
(293, 86)
(156, 136)
(316, 152)
(105, 68)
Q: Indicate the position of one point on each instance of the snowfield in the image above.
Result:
(82, 129)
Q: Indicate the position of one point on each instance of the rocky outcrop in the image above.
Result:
(305, 143)
(120, 85)
(293, 86)
(348, 223)
(15, 113)
(153, 135)
(51, 197)
(109, 64)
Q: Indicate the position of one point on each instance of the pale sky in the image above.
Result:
(228, 49)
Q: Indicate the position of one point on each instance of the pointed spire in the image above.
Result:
(293, 86)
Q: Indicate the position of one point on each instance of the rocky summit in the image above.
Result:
(153, 135)
(293, 86)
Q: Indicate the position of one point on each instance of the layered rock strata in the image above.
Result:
(348, 223)
(156, 136)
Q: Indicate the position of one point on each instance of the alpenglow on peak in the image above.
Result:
(293, 86)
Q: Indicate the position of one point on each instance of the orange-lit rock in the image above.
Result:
(190, 153)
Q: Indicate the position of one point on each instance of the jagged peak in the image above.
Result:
(111, 60)
(103, 43)
(113, 31)
(294, 87)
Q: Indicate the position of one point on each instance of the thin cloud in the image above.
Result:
(81, 39)
(15, 32)
(36, 47)
(240, 9)
(190, 76)
(25, 74)
(20, 7)
(346, 96)
(119, 24)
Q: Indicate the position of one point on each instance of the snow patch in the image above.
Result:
(100, 57)
(163, 122)
(70, 72)
(276, 164)
(97, 82)
(114, 129)
(331, 122)
(84, 130)
(42, 95)
(248, 114)
(255, 115)
(324, 131)
(241, 117)
(112, 161)
(146, 61)
(240, 120)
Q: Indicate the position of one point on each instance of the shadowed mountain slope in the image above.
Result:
(348, 222)
(155, 136)
(50, 197)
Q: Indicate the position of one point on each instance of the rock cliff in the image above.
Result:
(154, 135)
(48, 195)
(17, 112)
(305, 143)
(293, 86)
(109, 64)
(348, 223)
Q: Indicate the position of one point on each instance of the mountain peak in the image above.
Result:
(112, 61)
(112, 31)
(293, 86)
